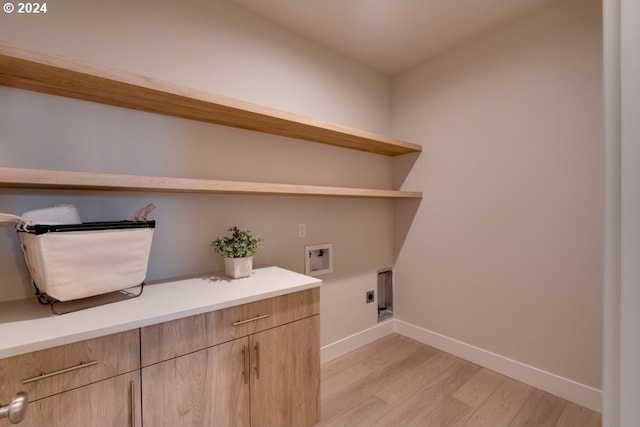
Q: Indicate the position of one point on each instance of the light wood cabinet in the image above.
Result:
(285, 384)
(269, 376)
(89, 383)
(177, 337)
(111, 402)
(204, 388)
(54, 370)
(254, 364)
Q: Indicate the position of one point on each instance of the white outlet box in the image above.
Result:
(302, 230)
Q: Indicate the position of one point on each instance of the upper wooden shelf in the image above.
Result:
(39, 178)
(57, 75)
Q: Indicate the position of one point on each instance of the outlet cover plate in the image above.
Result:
(370, 297)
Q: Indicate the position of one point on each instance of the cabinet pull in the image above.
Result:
(257, 347)
(132, 402)
(253, 319)
(245, 356)
(43, 375)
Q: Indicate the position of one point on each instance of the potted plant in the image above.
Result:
(237, 251)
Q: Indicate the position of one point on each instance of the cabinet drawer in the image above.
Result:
(54, 370)
(175, 338)
(112, 402)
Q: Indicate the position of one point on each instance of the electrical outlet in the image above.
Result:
(302, 230)
(370, 297)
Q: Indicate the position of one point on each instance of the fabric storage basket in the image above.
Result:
(76, 261)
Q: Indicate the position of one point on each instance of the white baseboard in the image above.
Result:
(355, 341)
(565, 388)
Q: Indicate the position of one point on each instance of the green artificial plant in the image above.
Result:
(241, 243)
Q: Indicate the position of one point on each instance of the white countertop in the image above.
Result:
(27, 326)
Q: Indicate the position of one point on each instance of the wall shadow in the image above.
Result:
(404, 214)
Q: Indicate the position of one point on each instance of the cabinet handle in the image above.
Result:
(43, 375)
(132, 402)
(245, 356)
(257, 347)
(253, 319)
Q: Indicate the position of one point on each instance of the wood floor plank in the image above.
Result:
(347, 378)
(364, 413)
(396, 381)
(541, 410)
(475, 391)
(402, 345)
(414, 410)
(452, 413)
(339, 402)
(344, 362)
(420, 377)
(575, 415)
(503, 405)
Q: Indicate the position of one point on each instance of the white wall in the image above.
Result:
(505, 251)
(217, 47)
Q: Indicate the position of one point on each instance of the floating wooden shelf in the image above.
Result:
(57, 75)
(39, 178)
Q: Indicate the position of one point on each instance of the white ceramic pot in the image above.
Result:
(238, 267)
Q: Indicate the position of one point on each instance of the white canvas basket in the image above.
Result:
(78, 264)
(73, 261)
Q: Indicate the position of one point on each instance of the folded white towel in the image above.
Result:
(56, 215)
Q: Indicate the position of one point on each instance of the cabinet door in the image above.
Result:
(285, 383)
(208, 387)
(111, 402)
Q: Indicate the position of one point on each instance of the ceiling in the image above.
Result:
(390, 36)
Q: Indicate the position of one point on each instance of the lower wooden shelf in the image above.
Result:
(40, 178)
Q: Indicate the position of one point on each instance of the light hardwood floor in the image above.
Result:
(397, 381)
